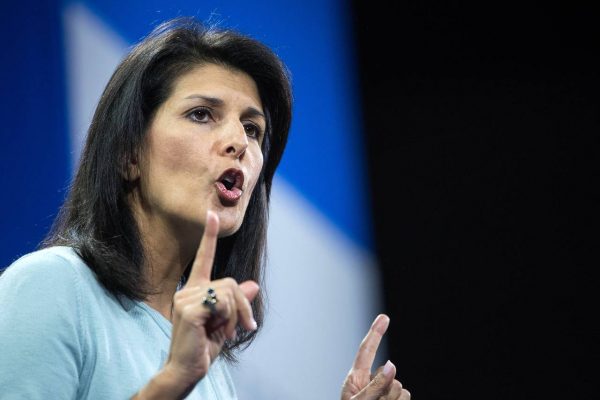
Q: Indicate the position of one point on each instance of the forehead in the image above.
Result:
(226, 83)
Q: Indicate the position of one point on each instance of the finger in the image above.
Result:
(395, 392)
(205, 256)
(380, 385)
(177, 301)
(227, 292)
(246, 316)
(183, 299)
(405, 395)
(368, 347)
(215, 318)
(232, 315)
(249, 289)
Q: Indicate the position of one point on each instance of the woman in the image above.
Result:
(148, 282)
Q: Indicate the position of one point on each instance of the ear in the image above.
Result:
(131, 170)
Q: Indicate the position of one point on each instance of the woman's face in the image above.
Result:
(203, 151)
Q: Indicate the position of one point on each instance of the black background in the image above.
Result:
(480, 120)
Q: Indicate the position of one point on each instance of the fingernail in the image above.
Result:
(253, 324)
(388, 368)
(211, 214)
(381, 323)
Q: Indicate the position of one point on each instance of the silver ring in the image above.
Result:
(210, 300)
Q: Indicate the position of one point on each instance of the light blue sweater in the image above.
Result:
(63, 336)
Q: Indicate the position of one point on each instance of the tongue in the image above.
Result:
(229, 194)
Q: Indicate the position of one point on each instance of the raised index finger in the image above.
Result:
(368, 347)
(205, 256)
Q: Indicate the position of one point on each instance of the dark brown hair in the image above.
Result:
(96, 219)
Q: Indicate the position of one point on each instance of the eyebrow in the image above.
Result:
(216, 102)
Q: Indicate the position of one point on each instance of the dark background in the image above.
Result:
(480, 119)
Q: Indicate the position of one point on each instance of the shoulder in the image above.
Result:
(41, 338)
(44, 277)
(50, 256)
(47, 266)
(41, 292)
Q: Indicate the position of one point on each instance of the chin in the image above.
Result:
(225, 231)
(229, 223)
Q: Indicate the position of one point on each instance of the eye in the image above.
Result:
(200, 115)
(253, 130)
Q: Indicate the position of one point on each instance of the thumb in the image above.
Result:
(381, 383)
(377, 371)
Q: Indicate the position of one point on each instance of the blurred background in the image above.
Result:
(441, 168)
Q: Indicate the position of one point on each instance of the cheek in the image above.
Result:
(174, 167)
(177, 157)
(255, 167)
(175, 154)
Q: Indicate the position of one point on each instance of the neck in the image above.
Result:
(163, 272)
(166, 259)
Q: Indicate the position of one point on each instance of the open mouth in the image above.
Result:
(229, 186)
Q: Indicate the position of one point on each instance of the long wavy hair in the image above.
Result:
(96, 219)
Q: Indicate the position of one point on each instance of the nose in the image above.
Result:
(235, 141)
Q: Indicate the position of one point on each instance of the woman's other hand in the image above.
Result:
(361, 384)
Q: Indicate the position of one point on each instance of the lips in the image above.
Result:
(229, 186)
